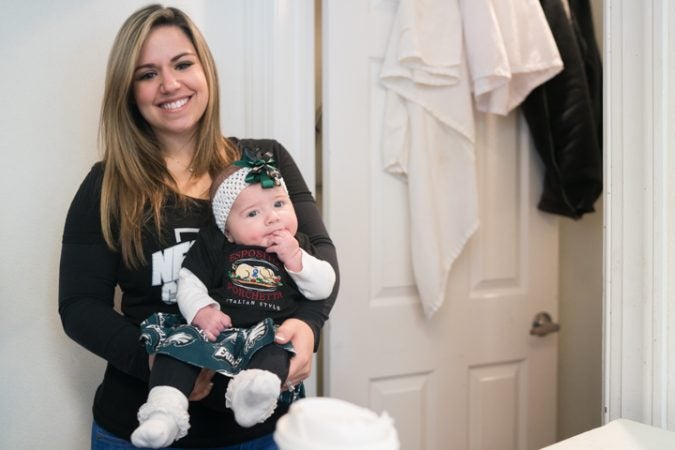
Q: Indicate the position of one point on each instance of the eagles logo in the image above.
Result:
(179, 339)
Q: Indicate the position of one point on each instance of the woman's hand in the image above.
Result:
(302, 337)
(203, 385)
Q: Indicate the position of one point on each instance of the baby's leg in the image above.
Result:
(272, 358)
(164, 419)
(168, 371)
(252, 394)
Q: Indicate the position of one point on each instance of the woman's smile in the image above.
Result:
(174, 105)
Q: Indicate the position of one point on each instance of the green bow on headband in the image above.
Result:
(263, 168)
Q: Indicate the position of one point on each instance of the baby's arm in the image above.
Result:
(212, 321)
(315, 278)
(197, 307)
(287, 248)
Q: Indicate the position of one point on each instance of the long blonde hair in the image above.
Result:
(136, 181)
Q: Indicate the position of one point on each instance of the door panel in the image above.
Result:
(471, 377)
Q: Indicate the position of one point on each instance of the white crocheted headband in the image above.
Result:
(254, 169)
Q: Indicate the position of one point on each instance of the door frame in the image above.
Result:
(639, 199)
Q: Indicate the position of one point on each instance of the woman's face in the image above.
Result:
(169, 83)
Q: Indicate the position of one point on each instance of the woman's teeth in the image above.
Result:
(174, 105)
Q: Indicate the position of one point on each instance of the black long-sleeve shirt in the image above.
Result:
(90, 271)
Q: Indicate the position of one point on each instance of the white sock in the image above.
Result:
(159, 430)
(163, 418)
(252, 394)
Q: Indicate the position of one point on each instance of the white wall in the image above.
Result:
(53, 58)
(639, 366)
(54, 61)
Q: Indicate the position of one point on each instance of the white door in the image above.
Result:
(472, 377)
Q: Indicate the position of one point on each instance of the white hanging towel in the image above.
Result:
(510, 51)
(429, 135)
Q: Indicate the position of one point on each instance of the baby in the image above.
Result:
(251, 270)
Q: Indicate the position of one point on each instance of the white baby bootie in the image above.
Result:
(252, 395)
(163, 418)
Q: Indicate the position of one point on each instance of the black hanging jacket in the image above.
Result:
(565, 115)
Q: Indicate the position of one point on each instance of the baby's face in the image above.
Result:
(257, 213)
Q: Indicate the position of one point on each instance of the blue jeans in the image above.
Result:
(103, 440)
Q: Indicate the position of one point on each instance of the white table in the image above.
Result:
(620, 434)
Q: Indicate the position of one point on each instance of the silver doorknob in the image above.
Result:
(543, 325)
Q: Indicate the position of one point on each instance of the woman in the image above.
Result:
(138, 211)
